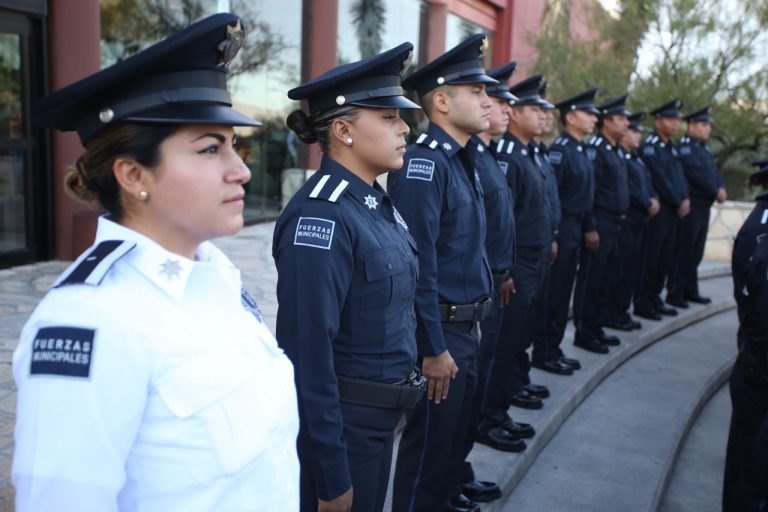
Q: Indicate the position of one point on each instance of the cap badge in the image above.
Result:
(484, 47)
(340, 100)
(106, 115)
(371, 202)
(440, 80)
(406, 62)
(229, 47)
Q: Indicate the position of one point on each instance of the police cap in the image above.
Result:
(527, 92)
(700, 116)
(760, 162)
(584, 101)
(459, 65)
(543, 94)
(180, 80)
(501, 89)
(617, 106)
(374, 82)
(669, 109)
(635, 120)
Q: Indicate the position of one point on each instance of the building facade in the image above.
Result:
(47, 44)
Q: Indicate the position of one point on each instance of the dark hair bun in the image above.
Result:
(75, 183)
(300, 123)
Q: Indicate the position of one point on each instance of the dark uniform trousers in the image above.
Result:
(683, 280)
(369, 435)
(631, 258)
(661, 240)
(509, 365)
(745, 486)
(430, 454)
(551, 324)
(598, 272)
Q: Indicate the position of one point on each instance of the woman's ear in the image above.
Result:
(341, 131)
(132, 178)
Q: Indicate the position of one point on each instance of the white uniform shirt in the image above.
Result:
(157, 389)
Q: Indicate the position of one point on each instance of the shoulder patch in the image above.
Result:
(649, 150)
(504, 166)
(591, 153)
(420, 169)
(555, 157)
(399, 218)
(250, 305)
(62, 351)
(93, 265)
(329, 188)
(685, 150)
(314, 232)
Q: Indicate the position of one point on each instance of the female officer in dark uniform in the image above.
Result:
(347, 274)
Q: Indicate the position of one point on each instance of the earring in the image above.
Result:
(144, 195)
(349, 141)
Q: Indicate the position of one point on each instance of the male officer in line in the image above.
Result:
(575, 177)
(660, 155)
(705, 186)
(643, 205)
(509, 382)
(440, 197)
(599, 270)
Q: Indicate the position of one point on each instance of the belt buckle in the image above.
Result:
(452, 312)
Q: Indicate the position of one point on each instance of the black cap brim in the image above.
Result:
(194, 114)
(503, 95)
(387, 102)
(473, 79)
(590, 109)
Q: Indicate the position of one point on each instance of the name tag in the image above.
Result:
(314, 232)
(420, 169)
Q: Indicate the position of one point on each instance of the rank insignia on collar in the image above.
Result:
(371, 202)
(170, 269)
(447, 146)
(229, 47)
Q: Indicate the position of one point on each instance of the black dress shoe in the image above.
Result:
(526, 400)
(664, 310)
(461, 503)
(591, 344)
(537, 390)
(569, 361)
(677, 302)
(607, 339)
(698, 299)
(518, 430)
(481, 492)
(620, 325)
(649, 314)
(555, 367)
(499, 438)
(636, 324)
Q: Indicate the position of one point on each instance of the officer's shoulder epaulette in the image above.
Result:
(651, 139)
(93, 265)
(596, 141)
(329, 188)
(562, 141)
(685, 140)
(425, 140)
(505, 147)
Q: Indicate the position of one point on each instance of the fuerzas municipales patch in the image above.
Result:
(314, 232)
(555, 157)
(420, 169)
(62, 351)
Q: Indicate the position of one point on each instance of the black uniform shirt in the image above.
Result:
(667, 176)
(700, 169)
(640, 187)
(752, 232)
(611, 184)
(575, 178)
(542, 153)
(527, 180)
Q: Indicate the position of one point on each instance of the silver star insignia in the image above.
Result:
(170, 269)
(447, 146)
(371, 202)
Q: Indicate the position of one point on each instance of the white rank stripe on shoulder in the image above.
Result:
(510, 147)
(421, 138)
(433, 144)
(765, 217)
(500, 146)
(337, 192)
(319, 186)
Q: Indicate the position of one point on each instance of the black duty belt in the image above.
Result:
(532, 252)
(465, 312)
(618, 218)
(400, 395)
(500, 276)
(574, 217)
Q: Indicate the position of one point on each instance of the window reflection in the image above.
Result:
(267, 66)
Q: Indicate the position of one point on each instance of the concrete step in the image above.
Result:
(697, 479)
(617, 450)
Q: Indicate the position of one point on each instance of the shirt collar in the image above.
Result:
(444, 141)
(369, 196)
(167, 270)
(567, 135)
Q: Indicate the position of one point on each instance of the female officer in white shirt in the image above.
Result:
(147, 380)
